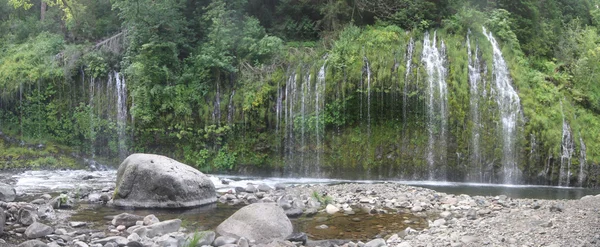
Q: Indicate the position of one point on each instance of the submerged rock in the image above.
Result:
(155, 181)
(262, 222)
(126, 219)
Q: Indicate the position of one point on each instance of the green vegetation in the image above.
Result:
(204, 80)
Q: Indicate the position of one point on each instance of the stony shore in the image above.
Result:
(450, 220)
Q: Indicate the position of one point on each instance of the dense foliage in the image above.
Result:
(208, 82)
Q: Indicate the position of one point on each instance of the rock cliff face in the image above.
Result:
(155, 181)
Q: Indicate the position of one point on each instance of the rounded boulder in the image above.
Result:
(156, 181)
(262, 222)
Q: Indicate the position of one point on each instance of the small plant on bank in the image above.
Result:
(324, 200)
(192, 242)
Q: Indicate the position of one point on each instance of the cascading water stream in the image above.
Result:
(409, 56)
(319, 106)
(474, 94)
(567, 148)
(437, 100)
(121, 87)
(509, 105)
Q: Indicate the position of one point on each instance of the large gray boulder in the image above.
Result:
(155, 181)
(262, 222)
(7, 193)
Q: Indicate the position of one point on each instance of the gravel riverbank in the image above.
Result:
(433, 218)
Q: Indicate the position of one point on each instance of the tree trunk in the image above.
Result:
(43, 8)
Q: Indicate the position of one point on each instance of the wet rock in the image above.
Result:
(262, 222)
(134, 244)
(7, 193)
(155, 181)
(126, 219)
(297, 237)
(45, 211)
(104, 197)
(223, 240)
(37, 230)
(33, 243)
(294, 212)
(150, 219)
(379, 242)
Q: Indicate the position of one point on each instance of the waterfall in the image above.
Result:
(509, 106)
(368, 70)
(319, 107)
(92, 121)
(474, 95)
(582, 161)
(567, 148)
(216, 114)
(437, 101)
(409, 56)
(121, 87)
(290, 95)
(230, 108)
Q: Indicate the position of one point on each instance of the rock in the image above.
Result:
(7, 193)
(404, 244)
(27, 216)
(557, 208)
(243, 242)
(104, 197)
(126, 219)
(280, 186)
(60, 231)
(446, 215)
(121, 228)
(262, 222)
(294, 212)
(264, 188)
(223, 240)
(378, 242)
(61, 201)
(38, 201)
(416, 209)
(114, 239)
(2, 220)
(37, 230)
(174, 240)
(45, 211)
(250, 188)
(134, 244)
(80, 244)
(309, 212)
(155, 181)
(204, 238)
(133, 237)
(321, 227)
(439, 222)
(330, 209)
(33, 243)
(471, 215)
(162, 228)
(297, 237)
(76, 224)
(150, 219)
(469, 239)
